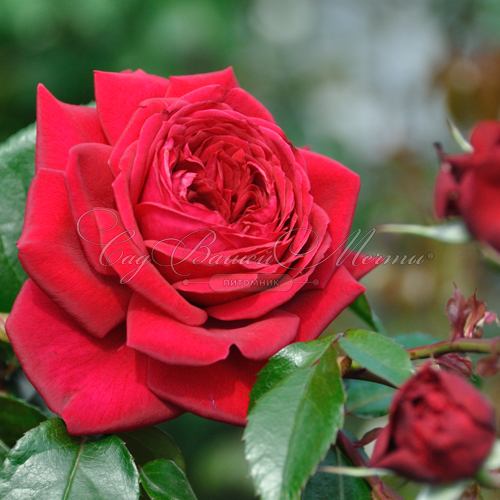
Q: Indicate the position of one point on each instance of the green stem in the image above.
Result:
(481, 346)
(380, 489)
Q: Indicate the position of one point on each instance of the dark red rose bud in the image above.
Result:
(454, 363)
(441, 429)
(468, 185)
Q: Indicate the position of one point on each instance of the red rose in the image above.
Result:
(154, 225)
(440, 430)
(468, 185)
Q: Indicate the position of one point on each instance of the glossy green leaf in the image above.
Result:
(149, 444)
(327, 486)
(286, 361)
(451, 232)
(48, 464)
(362, 309)
(17, 167)
(7, 355)
(16, 418)
(415, 339)
(367, 399)
(378, 354)
(291, 427)
(164, 480)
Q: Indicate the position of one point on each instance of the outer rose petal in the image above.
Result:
(335, 189)
(359, 264)
(50, 252)
(118, 96)
(98, 386)
(479, 206)
(218, 392)
(318, 308)
(446, 193)
(136, 271)
(152, 332)
(88, 182)
(236, 98)
(485, 135)
(181, 85)
(61, 126)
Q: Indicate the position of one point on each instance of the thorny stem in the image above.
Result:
(380, 489)
(465, 345)
(481, 346)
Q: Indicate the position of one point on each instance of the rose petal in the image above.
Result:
(446, 193)
(485, 135)
(479, 205)
(98, 386)
(359, 264)
(181, 85)
(335, 189)
(258, 304)
(61, 126)
(318, 308)
(152, 332)
(136, 271)
(218, 391)
(89, 186)
(118, 96)
(236, 98)
(50, 252)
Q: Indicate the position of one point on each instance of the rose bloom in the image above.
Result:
(175, 240)
(468, 185)
(441, 429)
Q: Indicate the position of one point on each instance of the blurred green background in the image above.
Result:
(368, 83)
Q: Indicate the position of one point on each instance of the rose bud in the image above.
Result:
(175, 240)
(441, 429)
(468, 185)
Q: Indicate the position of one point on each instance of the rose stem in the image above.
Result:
(382, 491)
(482, 346)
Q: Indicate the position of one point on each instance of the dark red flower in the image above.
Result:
(441, 429)
(175, 240)
(468, 185)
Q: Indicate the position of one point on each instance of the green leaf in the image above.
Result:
(17, 167)
(378, 354)
(415, 339)
(164, 480)
(286, 361)
(451, 232)
(327, 486)
(291, 427)
(149, 444)
(16, 418)
(362, 309)
(367, 399)
(48, 464)
(6, 353)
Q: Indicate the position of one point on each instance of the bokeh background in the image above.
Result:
(368, 83)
